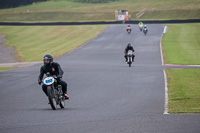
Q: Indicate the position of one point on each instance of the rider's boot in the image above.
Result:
(66, 96)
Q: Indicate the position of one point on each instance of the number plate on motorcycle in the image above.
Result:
(48, 80)
(129, 53)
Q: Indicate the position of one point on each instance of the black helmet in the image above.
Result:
(129, 44)
(48, 57)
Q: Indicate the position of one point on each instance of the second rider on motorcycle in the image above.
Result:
(128, 28)
(129, 47)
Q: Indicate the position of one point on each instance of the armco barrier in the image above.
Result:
(100, 22)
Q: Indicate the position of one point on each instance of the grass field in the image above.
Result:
(181, 45)
(65, 10)
(33, 42)
(184, 90)
(5, 68)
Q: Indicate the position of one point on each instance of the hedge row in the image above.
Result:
(93, 1)
(16, 3)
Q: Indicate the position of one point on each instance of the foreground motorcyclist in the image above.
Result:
(129, 47)
(54, 69)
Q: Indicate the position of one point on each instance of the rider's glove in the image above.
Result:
(39, 82)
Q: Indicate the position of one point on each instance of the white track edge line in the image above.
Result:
(166, 93)
(161, 53)
(165, 30)
(164, 73)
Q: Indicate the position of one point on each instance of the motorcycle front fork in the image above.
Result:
(130, 59)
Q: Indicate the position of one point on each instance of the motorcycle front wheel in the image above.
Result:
(52, 99)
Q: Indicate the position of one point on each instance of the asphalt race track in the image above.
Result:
(106, 96)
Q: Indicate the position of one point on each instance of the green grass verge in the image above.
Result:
(173, 14)
(184, 90)
(5, 68)
(64, 10)
(181, 44)
(33, 42)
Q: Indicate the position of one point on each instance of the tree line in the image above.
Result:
(16, 3)
(93, 1)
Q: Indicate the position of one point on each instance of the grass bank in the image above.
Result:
(33, 42)
(67, 10)
(184, 90)
(5, 68)
(181, 45)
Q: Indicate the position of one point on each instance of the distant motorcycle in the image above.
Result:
(130, 58)
(140, 27)
(145, 30)
(128, 30)
(54, 91)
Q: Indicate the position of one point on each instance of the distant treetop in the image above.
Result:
(16, 3)
(93, 1)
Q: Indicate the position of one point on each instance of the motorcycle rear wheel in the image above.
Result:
(62, 103)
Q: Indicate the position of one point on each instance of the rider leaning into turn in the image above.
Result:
(129, 47)
(54, 69)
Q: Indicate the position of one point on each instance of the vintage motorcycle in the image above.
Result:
(145, 30)
(140, 27)
(128, 29)
(130, 58)
(54, 91)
